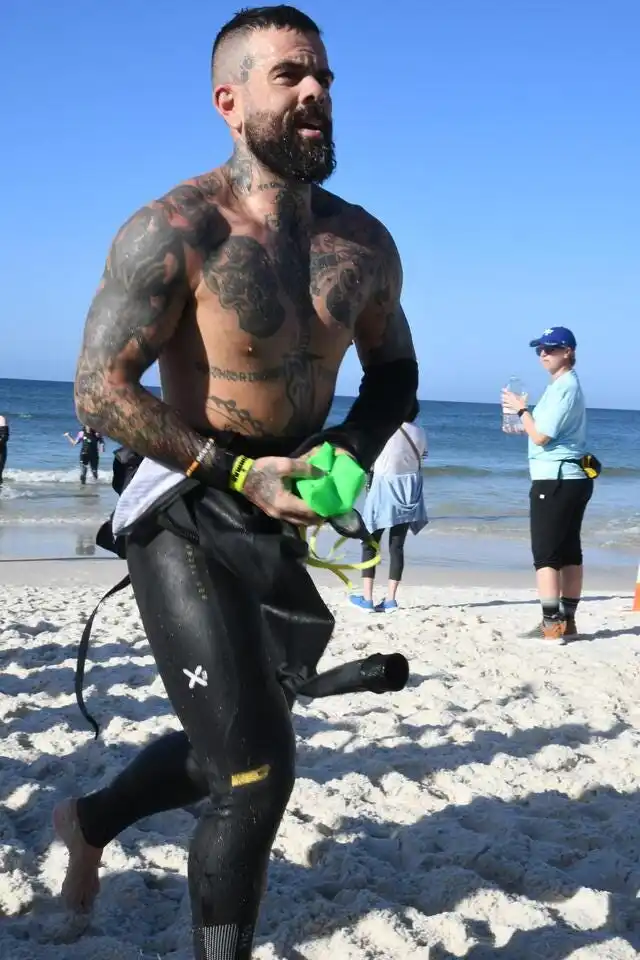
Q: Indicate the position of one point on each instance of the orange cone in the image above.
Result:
(636, 596)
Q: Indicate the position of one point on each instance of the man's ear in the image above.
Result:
(226, 102)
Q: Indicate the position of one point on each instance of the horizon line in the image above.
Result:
(341, 396)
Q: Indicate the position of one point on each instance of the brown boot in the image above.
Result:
(570, 629)
(553, 632)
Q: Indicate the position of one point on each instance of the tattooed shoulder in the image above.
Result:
(146, 285)
(192, 209)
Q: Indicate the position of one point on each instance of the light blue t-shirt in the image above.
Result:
(560, 414)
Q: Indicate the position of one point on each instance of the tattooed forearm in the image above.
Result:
(137, 419)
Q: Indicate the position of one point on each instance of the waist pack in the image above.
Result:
(588, 463)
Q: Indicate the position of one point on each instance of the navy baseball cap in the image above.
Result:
(555, 337)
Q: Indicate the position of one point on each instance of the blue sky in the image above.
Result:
(497, 139)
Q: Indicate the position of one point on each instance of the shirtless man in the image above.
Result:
(248, 284)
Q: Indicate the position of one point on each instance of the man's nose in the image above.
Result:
(311, 90)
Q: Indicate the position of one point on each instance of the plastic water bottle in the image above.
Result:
(511, 422)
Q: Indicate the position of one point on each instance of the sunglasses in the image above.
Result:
(549, 349)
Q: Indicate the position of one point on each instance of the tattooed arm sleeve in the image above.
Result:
(388, 390)
(134, 314)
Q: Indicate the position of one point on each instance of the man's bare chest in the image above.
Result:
(290, 279)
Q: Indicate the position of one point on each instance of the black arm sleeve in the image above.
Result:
(387, 398)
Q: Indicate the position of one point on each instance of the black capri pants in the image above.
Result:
(556, 512)
(397, 537)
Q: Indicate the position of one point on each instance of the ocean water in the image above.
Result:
(476, 482)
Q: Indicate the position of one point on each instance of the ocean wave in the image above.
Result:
(29, 477)
(447, 470)
(620, 471)
(51, 521)
(12, 493)
(459, 470)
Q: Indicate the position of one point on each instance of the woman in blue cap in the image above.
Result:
(560, 489)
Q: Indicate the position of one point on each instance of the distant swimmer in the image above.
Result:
(248, 285)
(92, 443)
(4, 441)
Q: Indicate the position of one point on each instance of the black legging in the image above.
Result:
(210, 638)
(4, 440)
(397, 537)
(91, 460)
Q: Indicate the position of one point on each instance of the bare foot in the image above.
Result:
(81, 884)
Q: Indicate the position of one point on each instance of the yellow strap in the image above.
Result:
(239, 472)
(313, 560)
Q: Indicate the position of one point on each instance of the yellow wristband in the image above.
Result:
(239, 472)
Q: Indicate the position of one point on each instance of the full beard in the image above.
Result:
(280, 147)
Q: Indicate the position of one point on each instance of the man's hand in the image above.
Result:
(266, 486)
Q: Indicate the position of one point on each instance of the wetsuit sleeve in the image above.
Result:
(386, 399)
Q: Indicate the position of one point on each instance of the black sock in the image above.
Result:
(550, 610)
(226, 941)
(568, 606)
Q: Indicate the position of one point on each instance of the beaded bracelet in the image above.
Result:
(209, 445)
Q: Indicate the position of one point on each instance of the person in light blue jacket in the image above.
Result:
(395, 502)
(560, 488)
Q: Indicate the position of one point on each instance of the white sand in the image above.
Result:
(490, 810)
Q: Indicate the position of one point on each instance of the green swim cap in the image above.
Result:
(336, 492)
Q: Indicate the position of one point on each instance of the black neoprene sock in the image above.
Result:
(550, 610)
(568, 606)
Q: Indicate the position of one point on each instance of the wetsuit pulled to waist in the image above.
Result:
(153, 484)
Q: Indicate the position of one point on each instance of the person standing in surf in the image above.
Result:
(92, 444)
(4, 442)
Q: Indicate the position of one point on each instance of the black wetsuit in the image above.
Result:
(4, 440)
(89, 456)
(233, 620)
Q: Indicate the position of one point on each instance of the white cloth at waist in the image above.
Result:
(150, 482)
